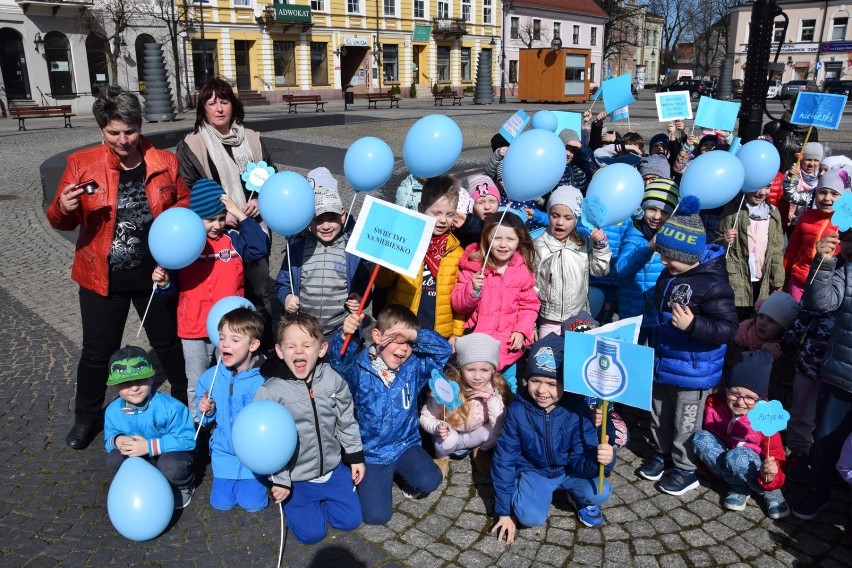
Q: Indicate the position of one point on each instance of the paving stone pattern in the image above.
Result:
(53, 499)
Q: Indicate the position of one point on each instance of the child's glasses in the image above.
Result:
(733, 395)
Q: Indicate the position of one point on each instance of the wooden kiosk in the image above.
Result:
(553, 76)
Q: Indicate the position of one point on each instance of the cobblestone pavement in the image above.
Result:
(53, 500)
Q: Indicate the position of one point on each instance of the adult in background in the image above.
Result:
(219, 148)
(133, 183)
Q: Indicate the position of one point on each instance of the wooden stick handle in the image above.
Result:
(605, 411)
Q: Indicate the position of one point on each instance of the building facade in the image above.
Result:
(634, 42)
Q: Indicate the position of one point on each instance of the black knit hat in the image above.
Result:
(753, 372)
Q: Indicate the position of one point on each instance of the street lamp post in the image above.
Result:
(507, 7)
(203, 41)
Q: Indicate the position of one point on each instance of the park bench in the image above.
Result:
(373, 98)
(25, 112)
(293, 102)
(440, 97)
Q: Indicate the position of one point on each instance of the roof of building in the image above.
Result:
(587, 7)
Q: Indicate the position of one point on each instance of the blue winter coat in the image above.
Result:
(563, 441)
(389, 416)
(693, 359)
(613, 238)
(231, 393)
(638, 268)
(162, 420)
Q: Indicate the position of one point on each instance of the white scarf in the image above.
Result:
(229, 168)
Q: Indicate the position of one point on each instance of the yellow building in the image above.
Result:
(324, 46)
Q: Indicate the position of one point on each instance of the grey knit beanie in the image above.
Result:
(476, 348)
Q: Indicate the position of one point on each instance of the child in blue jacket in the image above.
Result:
(149, 424)
(385, 380)
(695, 318)
(548, 443)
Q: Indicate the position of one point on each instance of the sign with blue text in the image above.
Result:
(516, 124)
(716, 114)
(818, 109)
(673, 106)
(391, 236)
(768, 417)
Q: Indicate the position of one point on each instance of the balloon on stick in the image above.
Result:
(714, 177)
(287, 203)
(432, 146)
(176, 238)
(533, 164)
(140, 502)
(264, 436)
(368, 163)
(219, 309)
(617, 190)
(761, 161)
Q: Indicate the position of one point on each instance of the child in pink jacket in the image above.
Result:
(498, 293)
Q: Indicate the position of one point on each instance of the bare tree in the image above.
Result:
(109, 19)
(708, 30)
(529, 34)
(621, 32)
(677, 16)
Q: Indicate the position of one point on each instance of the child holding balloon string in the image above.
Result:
(496, 289)
(484, 394)
(217, 273)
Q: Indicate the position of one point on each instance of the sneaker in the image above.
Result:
(809, 506)
(735, 500)
(679, 481)
(184, 497)
(798, 468)
(776, 506)
(591, 516)
(653, 469)
(417, 495)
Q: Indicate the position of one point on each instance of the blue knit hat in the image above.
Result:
(682, 237)
(205, 198)
(546, 357)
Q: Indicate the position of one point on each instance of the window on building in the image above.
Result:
(487, 11)
(515, 24)
(353, 6)
(592, 72)
(575, 36)
(593, 40)
(242, 3)
(319, 63)
(390, 63)
(513, 70)
(443, 64)
(318, 5)
(466, 10)
(205, 63)
(557, 30)
(390, 7)
(465, 64)
(419, 8)
(443, 9)
(838, 29)
(808, 27)
(777, 31)
(284, 54)
(96, 56)
(57, 52)
(536, 29)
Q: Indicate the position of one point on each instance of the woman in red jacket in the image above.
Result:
(131, 184)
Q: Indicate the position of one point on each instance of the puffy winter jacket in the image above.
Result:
(811, 227)
(693, 359)
(638, 269)
(614, 235)
(386, 415)
(562, 441)
(162, 420)
(324, 415)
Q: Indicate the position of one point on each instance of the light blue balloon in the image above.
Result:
(140, 502)
(761, 161)
(619, 187)
(368, 164)
(286, 203)
(432, 146)
(545, 120)
(176, 238)
(714, 178)
(533, 164)
(264, 437)
(596, 301)
(219, 309)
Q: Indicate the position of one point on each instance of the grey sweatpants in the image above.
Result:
(676, 415)
(197, 354)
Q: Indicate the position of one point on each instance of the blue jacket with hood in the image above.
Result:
(638, 269)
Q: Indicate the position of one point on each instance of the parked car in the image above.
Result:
(840, 88)
(774, 89)
(696, 87)
(792, 88)
(737, 86)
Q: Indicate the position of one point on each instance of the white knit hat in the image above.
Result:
(566, 195)
(781, 307)
(477, 347)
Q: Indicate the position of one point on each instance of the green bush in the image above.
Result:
(412, 92)
(395, 90)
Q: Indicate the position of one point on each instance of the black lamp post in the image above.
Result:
(203, 42)
(507, 6)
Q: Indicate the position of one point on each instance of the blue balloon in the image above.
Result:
(714, 178)
(619, 188)
(264, 436)
(596, 301)
(545, 120)
(533, 164)
(219, 309)
(432, 146)
(761, 161)
(368, 164)
(176, 238)
(286, 203)
(140, 501)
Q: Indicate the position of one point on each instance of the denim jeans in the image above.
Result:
(834, 415)
(534, 493)
(738, 467)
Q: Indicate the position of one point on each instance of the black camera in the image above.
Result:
(89, 186)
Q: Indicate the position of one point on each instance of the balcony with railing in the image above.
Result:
(54, 4)
(448, 28)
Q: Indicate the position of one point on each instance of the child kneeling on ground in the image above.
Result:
(315, 488)
(549, 442)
